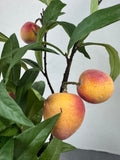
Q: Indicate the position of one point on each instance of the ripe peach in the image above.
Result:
(95, 86)
(72, 113)
(29, 32)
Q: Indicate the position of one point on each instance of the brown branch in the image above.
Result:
(99, 1)
(67, 70)
(45, 73)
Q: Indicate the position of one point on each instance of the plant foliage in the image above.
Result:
(23, 133)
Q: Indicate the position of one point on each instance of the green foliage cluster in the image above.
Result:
(23, 134)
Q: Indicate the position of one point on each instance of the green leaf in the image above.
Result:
(53, 11)
(83, 50)
(6, 58)
(24, 84)
(38, 54)
(45, 1)
(3, 38)
(10, 110)
(39, 86)
(93, 6)
(31, 63)
(51, 24)
(97, 20)
(68, 27)
(44, 146)
(23, 65)
(19, 53)
(55, 47)
(4, 123)
(114, 62)
(114, 59)
(32, 139)
(10, 131)
(11, 44)
(53, 150)
(34, 106)
(49, 21)
(6, 152)
(3, 140)
(67, 147)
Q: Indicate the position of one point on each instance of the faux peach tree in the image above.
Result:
(27, 118)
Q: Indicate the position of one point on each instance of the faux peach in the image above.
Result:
(72, 113)
(29, 32)
(95, 86)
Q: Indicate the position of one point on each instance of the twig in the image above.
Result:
(45, 67)
(99, 1)
(67, 70)
(44, 72)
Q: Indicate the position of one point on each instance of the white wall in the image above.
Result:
(101, 127)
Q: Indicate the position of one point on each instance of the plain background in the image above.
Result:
(101, 127)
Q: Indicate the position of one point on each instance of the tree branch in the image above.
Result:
(67, 70)
(45, 67)
(99, 1)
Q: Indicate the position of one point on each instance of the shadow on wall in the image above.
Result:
(80, 154)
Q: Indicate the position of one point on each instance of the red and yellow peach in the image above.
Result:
(72, 113)
(95, 86)
(29, 32)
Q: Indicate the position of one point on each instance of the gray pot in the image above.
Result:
(80, 154)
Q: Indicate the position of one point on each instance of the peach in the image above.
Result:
(72, 111)
(95, 86)
(29, 32)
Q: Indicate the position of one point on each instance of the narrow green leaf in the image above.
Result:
(53, 11)
(10, 131)
(114, 62)
(11, 44)
(6, 152)
(23, 65)
(31, 63)
(19, 53)
(3, 38)
(3, 140)
(32, 139)
(10, 110)
(38, 54)
(39, 86)
(44, 146)
(97, 20)
(4, 123)
(83, 50)
(51, 24)
(46, 1)
(114, 59)
(6, 58)
(24, 84)
(67, 147)
(52, 151)
(68, 27)
(34, 106)
(93, 6)
(55, 47)
(37, 47)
